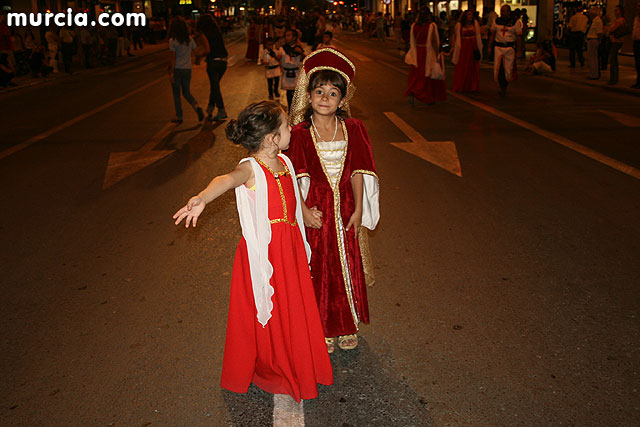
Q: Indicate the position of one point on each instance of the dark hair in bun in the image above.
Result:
(255, 122)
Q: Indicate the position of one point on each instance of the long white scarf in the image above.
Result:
(458, 43)
(256, 230)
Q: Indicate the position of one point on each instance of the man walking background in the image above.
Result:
(577, 27)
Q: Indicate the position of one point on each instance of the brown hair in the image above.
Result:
(178, 30)
(254, 123)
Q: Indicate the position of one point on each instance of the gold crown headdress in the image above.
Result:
(327, 58)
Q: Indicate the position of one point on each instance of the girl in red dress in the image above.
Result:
(332, 156)
(423, 55)
(274, 334)
(253, 40)
(467, 54)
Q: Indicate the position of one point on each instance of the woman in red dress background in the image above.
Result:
(466, 75)
(253, 40)
(422, 56)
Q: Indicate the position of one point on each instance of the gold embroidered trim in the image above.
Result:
(336, 210)
(300, 175)
(330, 150)
(277, 176)
(364, 171)
(337, 53)
(285, 220)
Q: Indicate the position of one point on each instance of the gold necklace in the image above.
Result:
(275, 174)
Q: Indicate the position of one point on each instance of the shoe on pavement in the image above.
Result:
(200, 114)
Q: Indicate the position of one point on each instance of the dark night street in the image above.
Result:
(506, 257)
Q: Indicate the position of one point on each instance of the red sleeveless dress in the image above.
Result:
(288, 355)
(466, 75)
(424, 89)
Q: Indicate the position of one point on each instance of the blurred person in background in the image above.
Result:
(253, 40)
(635, 35)
(467, 54)
(616, 32)
(39, 62)
(543, 60)
(504, 37)
(67, 41)
(422, 56)
(595, 30)
(181, 46)
(52, 45)
(577, 28)
(7, 72)
(216, 64)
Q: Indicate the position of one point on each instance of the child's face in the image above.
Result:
(289, 37)
(325, 99)
(326, 39)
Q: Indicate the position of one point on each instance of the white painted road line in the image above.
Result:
(592, 154)
(625, 119)
(43, 135)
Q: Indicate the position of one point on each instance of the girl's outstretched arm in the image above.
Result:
(218, 185)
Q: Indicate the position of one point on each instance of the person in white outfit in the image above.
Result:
(594, 33)
(504, 35)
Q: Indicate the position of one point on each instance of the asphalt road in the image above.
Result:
(504, 296)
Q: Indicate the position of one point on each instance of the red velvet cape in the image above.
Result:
(328, 268)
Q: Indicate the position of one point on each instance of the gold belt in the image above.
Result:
(285, 220)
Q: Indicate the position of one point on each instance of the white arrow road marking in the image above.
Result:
(622, 167)
(124, 164)
(73, 121)
(287, 412)
(625, 119)
(441, 153)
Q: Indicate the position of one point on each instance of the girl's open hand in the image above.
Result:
(312, 218)
(355, 221)
(191, 211)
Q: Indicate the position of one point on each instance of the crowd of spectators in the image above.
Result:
(40, 51)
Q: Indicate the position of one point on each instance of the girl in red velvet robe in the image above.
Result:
(274, 334)
(334, 163)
